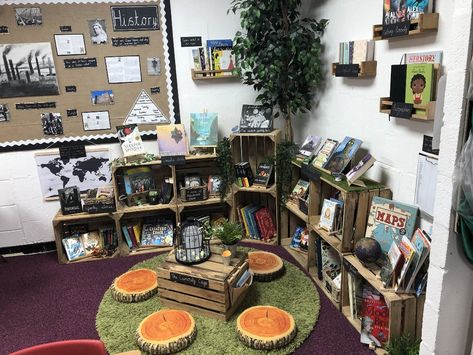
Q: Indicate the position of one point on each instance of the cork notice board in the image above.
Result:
(77, 81)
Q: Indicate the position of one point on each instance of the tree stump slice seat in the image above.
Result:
(166, 332)
(135, 286)
(266, 327)
(265, 266)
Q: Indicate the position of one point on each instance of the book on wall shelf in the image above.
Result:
(434, 57)
(400, 11)
(220, 55)
(389, 221)
(355, 52)
(359, 169)
(419, 83)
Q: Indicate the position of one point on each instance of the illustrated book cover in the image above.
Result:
(263, 174)
(374, 317)
(73, 247)
(265, 223)
(300, 190)
(327, 215)
(130, 140)
(408, 252)
(324, 153)
(219, 53)
(139, 179)
(342, 155)
(389, 221)
(309, 147)
(204, 129)
(434, 57)
(92, 242)
(422, 247)
(359, 169)
(395, 11)
(157, 233)
(256, 119)
(70, 200)
(419, 83)
(172, 140)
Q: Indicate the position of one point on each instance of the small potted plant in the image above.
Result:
(230, 234)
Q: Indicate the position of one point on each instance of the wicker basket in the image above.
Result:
(198, 193)
(329, 285)
(96, 202)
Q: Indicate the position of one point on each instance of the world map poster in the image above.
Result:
(86, 173)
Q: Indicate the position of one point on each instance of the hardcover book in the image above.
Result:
(359, 169)
(419, 83)
(422, 248)
(397, 87)
(408, 252)
(73, 247)
(92, 242)
(309, 147)
(204, 129)
(374, 317)
(130, 140)
(300, 190)
(256, 119)
(265, 223)
(342, 155)
(69, 198)
(172, 140)
(327, 215)
(213, 184)
(139, 179)
(389, 221)
(158, 233)
(324, 153)
(215, 49)
(263, 174)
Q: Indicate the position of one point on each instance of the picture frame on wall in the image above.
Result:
(123, 69)
(69, 44)
(96, 120)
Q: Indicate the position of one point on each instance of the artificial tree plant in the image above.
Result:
(279, 55)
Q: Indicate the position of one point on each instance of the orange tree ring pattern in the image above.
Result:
(135, 286)
(265, 266)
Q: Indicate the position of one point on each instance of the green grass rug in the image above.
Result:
(294, 292)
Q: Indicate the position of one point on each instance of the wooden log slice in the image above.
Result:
(266, 327)
(166, 332)
(135, 286)
(265, 266)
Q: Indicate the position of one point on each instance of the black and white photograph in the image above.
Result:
(256, 119)
(52, 123)
(153, 66)
(4, 113)
(27, 69)
(69, 44)
(96, 120)
(124, 69)
(98, 31)
(28, 16)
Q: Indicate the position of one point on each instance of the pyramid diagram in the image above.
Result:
(145, 111)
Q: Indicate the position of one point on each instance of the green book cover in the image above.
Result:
(419, 83)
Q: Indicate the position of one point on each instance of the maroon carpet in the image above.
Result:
(42, 301)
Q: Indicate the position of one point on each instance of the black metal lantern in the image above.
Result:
(192, 246)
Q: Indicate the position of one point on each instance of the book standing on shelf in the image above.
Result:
(244, 174)
(342, 155)
(309, 147)
(359, 169)
(220, 55)
(419, 86)
(70, 200)
(300, 190)
(324, 153)
(74, 247)
(389, 221)
(374, 317)
(263, 175)
(408, 253)
(157, 233)
(328, 214)
(256, 119)
(355, 52)
(130, 140)
(400, 11)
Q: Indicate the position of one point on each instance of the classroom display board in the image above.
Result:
(76, 71)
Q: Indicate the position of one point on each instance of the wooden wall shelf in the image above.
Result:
(420, 112)
(425, 23)
(365, 70)
(213, 74)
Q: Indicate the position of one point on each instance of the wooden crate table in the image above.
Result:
(207, 288)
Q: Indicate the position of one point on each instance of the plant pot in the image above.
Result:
(232, 248)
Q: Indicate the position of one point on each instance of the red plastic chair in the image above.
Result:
(66, 347)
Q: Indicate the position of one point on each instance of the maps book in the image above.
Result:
(389, 221)
(69, 198)
(263, 174)
(359, 169)
(130, 140)
(204, 129)
(256, 119)
(419, 83)
(342, 155)
(324, 153)
(172, 140)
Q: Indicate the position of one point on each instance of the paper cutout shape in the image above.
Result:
(145, 111)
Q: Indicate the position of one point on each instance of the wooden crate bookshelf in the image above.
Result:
(403, 308)
(256, 148)
(61, 224)
(425, 23)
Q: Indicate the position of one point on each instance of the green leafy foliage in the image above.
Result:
(225, 166)
(280, 53)
(403, 345)
(285, 153)
(229, 232)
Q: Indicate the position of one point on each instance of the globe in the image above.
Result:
(367, 250)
